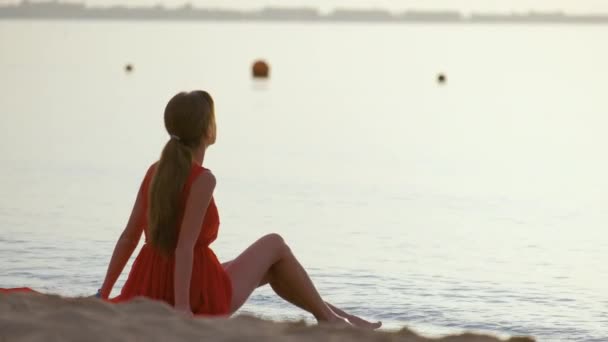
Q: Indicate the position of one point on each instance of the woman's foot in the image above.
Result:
(362, 323)
(330, 317)
(338, 321)
(355, 320)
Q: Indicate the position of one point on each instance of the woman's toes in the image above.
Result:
(376, 325)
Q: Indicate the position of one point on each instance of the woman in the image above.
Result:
(176, 212)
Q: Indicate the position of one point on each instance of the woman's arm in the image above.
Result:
(194, 214)
(125, 245)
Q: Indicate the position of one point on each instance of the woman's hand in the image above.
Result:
(97, 295)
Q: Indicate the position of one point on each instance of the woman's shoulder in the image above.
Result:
(201, 186)
(203, 178)
(200, 177)
(199, 169)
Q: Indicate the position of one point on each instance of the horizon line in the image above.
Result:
(62, 10)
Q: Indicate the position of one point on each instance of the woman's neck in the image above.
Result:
(198, 155)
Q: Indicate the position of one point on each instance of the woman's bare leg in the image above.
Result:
(286, 293)
(270, 260)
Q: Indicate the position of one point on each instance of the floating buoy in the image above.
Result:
(441, 79)
(260, 69)
(128, 68)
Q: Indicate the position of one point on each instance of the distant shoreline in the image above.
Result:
(79, 11)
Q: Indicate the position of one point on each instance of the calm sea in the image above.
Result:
(479, 204)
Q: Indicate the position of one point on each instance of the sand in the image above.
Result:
(35, 317)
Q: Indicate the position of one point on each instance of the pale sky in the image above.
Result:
(574, 6)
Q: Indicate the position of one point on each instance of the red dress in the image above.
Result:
(152, 272)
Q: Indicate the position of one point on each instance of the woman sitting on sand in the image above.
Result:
(177, 214)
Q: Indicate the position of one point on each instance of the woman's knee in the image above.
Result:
(276, 242)
(274, 239)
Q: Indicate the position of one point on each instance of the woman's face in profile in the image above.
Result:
(211, 136)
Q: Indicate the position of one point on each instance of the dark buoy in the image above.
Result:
(441, 79)
(260, 69)
(128, 68)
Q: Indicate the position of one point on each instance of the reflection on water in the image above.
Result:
(479, 205)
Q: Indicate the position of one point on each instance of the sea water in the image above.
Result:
(475, 204)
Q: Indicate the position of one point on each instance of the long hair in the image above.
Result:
(190, 122)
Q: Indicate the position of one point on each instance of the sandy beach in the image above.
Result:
(34, 317)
